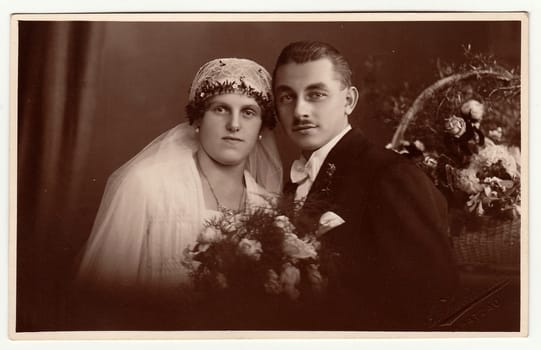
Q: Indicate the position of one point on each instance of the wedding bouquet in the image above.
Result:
(257, 252)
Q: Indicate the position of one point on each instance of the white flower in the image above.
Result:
(250, 248)
(467, 181)
(209, 234)
(455, 126)
(296, 248)
(475, 204)
(283, 223)
(496, 134)
(430, 162)
(290, 278)
(491, 154)
(474, 108)
(233, 223)
(490, 194)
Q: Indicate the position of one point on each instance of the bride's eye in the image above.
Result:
(250, 113)
(219, 109)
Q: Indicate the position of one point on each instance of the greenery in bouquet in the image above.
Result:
(464, 131)
(258, 252)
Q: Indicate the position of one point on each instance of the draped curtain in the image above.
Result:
(58, 78)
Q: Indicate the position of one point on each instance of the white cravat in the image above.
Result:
(304, 172)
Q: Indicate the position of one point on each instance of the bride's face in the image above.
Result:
(230, 128)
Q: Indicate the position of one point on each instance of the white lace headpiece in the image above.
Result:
(231, 75)
(239, 74)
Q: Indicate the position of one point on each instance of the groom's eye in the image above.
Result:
(285, 98)
(316, 95)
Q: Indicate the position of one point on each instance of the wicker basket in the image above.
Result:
(493, 244)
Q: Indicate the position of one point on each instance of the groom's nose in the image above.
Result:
(301, 108)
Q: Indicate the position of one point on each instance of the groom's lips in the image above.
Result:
(300, 128)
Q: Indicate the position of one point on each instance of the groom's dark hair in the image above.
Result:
(308, 51)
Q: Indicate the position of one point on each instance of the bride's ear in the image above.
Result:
(196, 125)
(352, 97)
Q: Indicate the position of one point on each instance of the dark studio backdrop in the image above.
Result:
(92, 94)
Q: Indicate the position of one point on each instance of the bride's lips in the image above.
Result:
(232, 139)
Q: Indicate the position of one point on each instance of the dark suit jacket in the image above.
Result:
(390, 265)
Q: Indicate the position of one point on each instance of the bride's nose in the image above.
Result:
(234, 122)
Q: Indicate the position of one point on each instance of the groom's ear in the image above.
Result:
(352, 97)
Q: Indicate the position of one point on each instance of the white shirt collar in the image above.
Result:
(314, 163)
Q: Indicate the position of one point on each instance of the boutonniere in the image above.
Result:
(329, 172)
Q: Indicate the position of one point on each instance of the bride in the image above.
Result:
(156, 204)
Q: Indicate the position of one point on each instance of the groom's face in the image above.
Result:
(312, 102)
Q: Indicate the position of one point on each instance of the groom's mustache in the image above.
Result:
(302, 124)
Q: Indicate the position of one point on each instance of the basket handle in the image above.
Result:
(431, 91)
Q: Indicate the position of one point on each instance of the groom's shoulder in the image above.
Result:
(361, 150)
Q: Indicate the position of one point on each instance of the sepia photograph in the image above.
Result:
(327, 174)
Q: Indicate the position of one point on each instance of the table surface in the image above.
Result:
(487, 301)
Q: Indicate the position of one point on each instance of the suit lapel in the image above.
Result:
(336, 165)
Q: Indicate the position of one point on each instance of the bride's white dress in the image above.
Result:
(153, 208)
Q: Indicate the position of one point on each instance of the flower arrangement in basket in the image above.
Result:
(258, 253)
(464, 131)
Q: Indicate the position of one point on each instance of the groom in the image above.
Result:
(385, 248)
